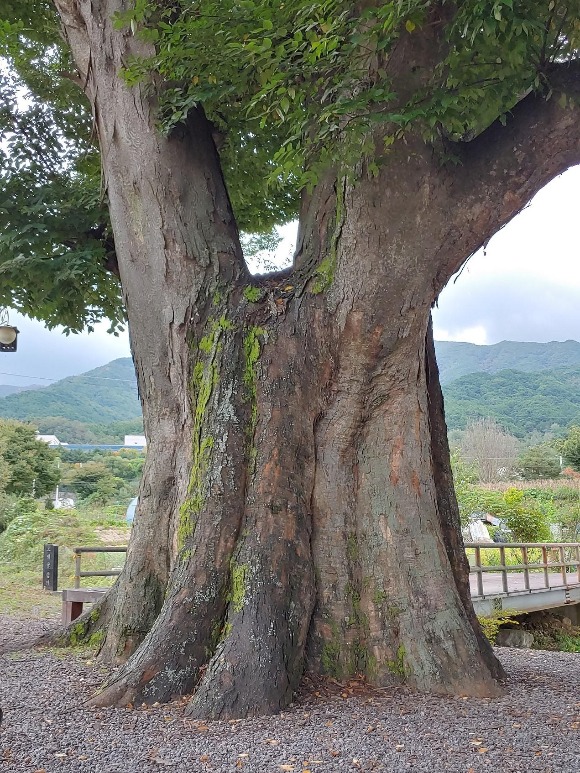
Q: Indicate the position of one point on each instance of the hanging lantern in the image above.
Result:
(8, 333)
(8, 338)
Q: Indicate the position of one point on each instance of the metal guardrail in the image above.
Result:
(101, 549)
(524, 569)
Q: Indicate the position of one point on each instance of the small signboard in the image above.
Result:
(50, 567)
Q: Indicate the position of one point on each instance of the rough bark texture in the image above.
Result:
(296, 509)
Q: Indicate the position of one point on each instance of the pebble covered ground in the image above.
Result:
(46, 728)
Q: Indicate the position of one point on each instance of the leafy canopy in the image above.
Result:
(291, 89)
(27, 465)
(54, 225)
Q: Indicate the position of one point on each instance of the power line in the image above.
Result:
(81, 375)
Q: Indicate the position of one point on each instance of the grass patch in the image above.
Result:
(21, 553)
(22, 595)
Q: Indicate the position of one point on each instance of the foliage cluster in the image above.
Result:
(491, 625)
(27, 466)
(525, 517)
(539, 462)
(290, 88)
(562, 503)
(102, 478)
(570, 447)
(297, 77)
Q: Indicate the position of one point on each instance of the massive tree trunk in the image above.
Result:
(297, 508)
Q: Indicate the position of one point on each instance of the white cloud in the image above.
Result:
(526, 285)
(471, 335)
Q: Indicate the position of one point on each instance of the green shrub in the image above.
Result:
(527, 519)
(11, 507)
(491, 625)
(22, 543)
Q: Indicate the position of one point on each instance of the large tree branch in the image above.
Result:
(506, 165)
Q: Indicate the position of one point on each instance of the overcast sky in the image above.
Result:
(526, 287)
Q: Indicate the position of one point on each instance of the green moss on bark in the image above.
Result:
(238, 579)
(252, 350)
(253, 294)
(324, 273)
(398, 667)
(204, 379)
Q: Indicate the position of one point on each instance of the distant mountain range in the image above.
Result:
(9, 389)
(457, 359)
(103, 395)
(548, 400)
(525, 386)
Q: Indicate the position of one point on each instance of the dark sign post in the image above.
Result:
(50, 567)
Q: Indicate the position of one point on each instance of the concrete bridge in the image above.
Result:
(524, 577)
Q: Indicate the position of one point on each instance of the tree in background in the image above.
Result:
(29, 465)
(297, 457)
(539, 462)
(570, 447)
(494, 451)
(102, 476)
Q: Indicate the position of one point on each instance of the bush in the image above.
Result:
(11, 507)
(491, 625)
(528, 520)
(22, 543)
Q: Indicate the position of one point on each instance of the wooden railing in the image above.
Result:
(97, 573)
(516, 567)
(522, 566)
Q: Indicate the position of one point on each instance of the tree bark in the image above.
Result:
(297, 508)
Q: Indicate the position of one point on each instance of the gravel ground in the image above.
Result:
(534, 727)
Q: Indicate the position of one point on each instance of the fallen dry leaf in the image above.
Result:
(482, 749)
(286, 767)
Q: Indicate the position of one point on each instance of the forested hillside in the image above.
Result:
(524, 386)
(457, 359)
(521, 402)
(9, 389)
(103, 395)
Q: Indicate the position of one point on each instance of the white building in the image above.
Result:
(135, 441)
(50, 440)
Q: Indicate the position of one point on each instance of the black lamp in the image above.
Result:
(8, 333)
